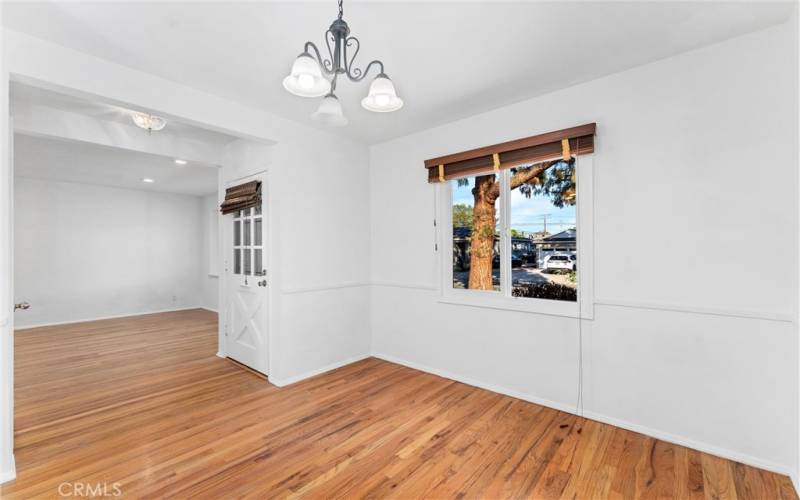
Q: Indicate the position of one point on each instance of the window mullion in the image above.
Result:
(505, 234)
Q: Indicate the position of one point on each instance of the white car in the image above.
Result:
(557, 262)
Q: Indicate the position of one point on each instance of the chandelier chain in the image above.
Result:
(341, 9)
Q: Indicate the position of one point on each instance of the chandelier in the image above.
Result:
(313, 76)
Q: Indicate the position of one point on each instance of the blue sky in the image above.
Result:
(526, 213)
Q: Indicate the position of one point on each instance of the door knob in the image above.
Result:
(22, 305)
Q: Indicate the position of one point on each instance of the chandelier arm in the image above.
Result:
(351, 41)
(333, 52)
(356, 74)
(325, 64)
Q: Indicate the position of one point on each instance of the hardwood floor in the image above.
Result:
(144, 405)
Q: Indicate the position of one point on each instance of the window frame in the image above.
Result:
(584, 203)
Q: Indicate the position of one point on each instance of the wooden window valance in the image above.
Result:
(240, 197)
(542, 147)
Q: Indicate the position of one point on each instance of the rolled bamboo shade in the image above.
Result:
(529, 150)
(240, 197)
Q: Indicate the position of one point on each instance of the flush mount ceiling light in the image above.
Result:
(148, 122)
(180, 162)
(313, 76)
(148, 180)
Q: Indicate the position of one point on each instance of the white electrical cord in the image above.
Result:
(579, 402)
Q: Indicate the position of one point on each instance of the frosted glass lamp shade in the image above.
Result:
(306, 78)
(330, 112)
(148, 122)
(382, 96)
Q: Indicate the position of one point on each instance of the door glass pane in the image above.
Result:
(237, 233)
(257, 232)
(247, 269)
(237, 261)
(246, 230)
(257, 265)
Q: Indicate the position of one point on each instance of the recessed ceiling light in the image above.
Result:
(180, 162)
(148, 180)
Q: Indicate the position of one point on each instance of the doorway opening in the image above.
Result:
(123, 263)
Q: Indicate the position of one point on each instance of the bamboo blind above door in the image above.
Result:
(241, 196)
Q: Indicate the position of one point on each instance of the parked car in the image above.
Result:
(460, 263)
(528, 258)
(558, 263)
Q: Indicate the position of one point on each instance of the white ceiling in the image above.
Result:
(448, 60)
(83, 162)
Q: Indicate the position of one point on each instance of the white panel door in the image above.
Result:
(248, 286)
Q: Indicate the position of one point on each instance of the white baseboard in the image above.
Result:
(693, 444)
(658, 434)
(314, 373)
(100, 318)
(9, 475)
(222, 355)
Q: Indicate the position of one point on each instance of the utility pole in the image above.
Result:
(544, 217)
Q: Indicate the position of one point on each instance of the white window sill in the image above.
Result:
(519, 304)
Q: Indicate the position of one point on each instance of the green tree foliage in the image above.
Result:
(557, 182)
(462, 215)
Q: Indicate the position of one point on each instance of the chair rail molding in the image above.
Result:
(323, 287)
(685, 308)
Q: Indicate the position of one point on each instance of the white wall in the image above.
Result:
(323, 243)
(86, 251)
(209, 252)
(318, 217)
(795, 28)
(7, 468)
(692, 341)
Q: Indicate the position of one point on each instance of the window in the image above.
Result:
(519, 248)
(247, 242)
(515, 233)
(537, 194)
